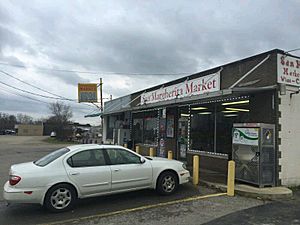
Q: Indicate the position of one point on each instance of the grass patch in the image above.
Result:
(52, 140)
(294, 188)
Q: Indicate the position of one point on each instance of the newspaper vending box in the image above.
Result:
(253, 150)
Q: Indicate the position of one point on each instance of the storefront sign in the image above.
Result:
(245, 136)
(198, 86)
(87, 92)
(288, 70)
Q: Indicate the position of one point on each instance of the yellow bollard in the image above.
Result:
(195, 169)
(170, 155)
(230, 178)
(125, 145)
(137, 149)
(151, 152)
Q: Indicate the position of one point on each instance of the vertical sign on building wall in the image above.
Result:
(288, 70)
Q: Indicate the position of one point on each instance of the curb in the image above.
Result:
(276, 193)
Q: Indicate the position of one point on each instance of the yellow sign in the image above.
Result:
(87, 92)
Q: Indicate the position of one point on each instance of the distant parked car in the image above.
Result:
(82, 171)
(53, 134)
(10, 132)
(2, 132)
(78, 136)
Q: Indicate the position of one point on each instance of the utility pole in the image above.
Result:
(101, 106)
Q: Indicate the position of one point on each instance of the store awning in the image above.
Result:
(203, 97)
(93, 115)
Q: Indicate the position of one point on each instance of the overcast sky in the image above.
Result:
(125, 37)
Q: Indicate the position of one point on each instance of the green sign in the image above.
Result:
(245, 136)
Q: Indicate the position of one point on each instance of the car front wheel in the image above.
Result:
(60, 198)
(167, 183)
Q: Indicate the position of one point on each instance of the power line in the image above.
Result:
(60, 97)
(28, 92)
(92, 72)
(34, 99)
(7, 74)
(24, 96)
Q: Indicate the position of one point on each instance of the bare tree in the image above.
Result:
(24, 119)
(7, 121)
(61, 115)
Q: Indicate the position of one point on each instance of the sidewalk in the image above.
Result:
(219, 180)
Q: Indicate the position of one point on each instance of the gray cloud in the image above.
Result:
(139, 36)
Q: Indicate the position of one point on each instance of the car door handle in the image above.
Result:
(74, 173)
(116, 170)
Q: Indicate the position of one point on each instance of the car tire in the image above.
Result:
(167, 183)
(60, 198)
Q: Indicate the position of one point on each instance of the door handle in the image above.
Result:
(116, 170)
(74, 173)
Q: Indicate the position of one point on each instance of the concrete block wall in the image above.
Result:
(289, 136)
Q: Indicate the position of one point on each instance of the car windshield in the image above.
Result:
(51, 157)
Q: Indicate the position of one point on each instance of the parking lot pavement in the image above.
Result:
(129, 208)
(139, 207)
(18, 149)
(275, 213)
(193, 212)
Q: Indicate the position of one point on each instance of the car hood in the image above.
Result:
(23, 168)
(160, 159)
(157, 158)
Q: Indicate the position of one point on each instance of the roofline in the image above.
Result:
(213, 70)
(210, 71)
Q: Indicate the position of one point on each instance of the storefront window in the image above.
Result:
(138, 130)
(183, 131)
(145, 127)
(211, 124)
(202, 127)
(110, 126)
(150, 130)
(227, 114)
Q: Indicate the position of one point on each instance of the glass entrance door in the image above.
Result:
(182, 137)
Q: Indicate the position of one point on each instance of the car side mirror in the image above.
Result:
(142, 160)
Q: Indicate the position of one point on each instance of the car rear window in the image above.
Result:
(51, 157)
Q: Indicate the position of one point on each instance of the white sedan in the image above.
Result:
(82, 171)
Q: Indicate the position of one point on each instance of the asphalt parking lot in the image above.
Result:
(190, 205)
(18, 149)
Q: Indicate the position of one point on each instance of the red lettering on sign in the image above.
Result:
(298, 63)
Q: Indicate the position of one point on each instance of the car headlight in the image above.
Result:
(183, 166)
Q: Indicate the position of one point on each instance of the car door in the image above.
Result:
(89, 171)
(127, 171)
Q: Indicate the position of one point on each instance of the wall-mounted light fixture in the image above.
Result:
(294, 93)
